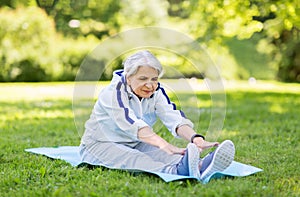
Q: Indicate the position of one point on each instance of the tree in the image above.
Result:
(281, 21)
(91, 17)
(278, 21)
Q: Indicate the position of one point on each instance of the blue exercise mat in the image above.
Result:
(71, 155)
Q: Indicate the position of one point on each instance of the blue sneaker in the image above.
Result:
(218, 160)
(189, 164)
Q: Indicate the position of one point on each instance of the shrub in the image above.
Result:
(71, 53)
(31, 49)
(26, 37)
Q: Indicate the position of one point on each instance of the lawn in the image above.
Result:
(262, 120)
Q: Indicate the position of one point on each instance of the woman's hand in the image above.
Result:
(202, 144)
(171, 149)
(187, 132)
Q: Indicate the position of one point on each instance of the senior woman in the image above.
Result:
(119, 131)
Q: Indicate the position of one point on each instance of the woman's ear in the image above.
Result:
(128, 80)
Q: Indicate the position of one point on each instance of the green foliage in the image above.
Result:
(31, 50)
(282, 32)
(215, 21)
(146, 13)
(26, 37)
(96, 18)
(70, 54)
(15, 3)
(224, 19)
(288, 45)
(212, 23)
(261, 120)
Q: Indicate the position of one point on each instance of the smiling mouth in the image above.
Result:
(147, 91)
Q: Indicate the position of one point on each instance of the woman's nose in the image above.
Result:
(149, 84)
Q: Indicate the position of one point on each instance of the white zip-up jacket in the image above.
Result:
(118, 113)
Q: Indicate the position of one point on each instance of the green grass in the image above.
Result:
(262, 120)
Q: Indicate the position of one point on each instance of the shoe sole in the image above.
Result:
(193, 159)
(222, 158)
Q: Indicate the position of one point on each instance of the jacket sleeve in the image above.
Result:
(115, 103)
(169, 114)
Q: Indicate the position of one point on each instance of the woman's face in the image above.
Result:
(144, 82)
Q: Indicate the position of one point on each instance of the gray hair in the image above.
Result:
(141, 58)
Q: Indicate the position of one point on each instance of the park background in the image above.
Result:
(47, 40)
(254, 43)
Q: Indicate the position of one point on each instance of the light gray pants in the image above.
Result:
(142, 157)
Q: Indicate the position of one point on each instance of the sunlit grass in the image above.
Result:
(262, 86)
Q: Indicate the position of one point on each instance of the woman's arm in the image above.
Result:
(146, 135)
